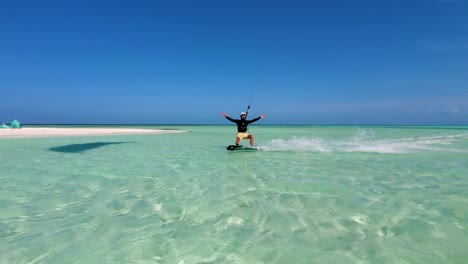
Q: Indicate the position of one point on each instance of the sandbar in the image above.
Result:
(28, 132)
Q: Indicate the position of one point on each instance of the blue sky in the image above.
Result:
(184, 62)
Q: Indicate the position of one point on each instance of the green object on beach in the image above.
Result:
(14, 124)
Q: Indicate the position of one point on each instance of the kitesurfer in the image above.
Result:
(242, 127)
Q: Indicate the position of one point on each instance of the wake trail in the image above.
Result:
(364, 142)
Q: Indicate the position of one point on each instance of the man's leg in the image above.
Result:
(251, 140)
(238, 139)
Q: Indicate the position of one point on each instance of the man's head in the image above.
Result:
(242, 115)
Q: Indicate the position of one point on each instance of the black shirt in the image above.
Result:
(242, 123)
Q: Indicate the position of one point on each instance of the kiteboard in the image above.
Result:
(240, 147)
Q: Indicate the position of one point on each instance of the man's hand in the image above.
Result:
(223, 114)
(262, 116)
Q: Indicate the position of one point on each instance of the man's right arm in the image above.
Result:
(228, 118)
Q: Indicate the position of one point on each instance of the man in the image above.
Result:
(242, 127)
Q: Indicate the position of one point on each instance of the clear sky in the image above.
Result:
(184, 62)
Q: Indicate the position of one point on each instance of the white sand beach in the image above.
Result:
(53, 132)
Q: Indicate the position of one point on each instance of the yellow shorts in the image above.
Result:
(243, 135)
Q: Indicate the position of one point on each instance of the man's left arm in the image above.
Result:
(256, 119)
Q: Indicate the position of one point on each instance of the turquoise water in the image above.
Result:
(309, 195)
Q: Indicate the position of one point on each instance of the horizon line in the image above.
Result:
(207, 124)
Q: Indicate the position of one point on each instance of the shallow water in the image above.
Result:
(311, 194)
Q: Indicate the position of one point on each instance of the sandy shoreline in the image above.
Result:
(56, 132)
